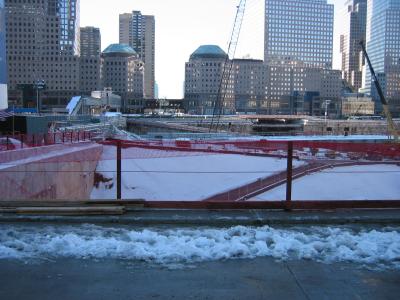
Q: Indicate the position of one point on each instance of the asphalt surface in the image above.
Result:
(261, 278)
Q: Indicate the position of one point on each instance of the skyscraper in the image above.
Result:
(383, 47)
(90, 41)
(354, 16)
(3, 65)
(299, 31)
(138, 31)
(69, 13)
(42, 43)
(90, 62)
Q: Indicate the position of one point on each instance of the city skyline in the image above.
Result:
(181, 27)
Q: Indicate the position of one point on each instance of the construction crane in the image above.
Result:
(391, 126)
(227, 67)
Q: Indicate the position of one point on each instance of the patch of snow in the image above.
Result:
(180, 176)
(171, 246)
(371, 182)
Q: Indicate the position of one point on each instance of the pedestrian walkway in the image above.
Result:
(261, 278)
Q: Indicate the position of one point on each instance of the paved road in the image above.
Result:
(261, 278)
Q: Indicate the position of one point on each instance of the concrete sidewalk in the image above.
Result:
(261, 278)
(250, 217)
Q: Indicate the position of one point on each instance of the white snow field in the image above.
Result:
(371, 182)
(375, 248)
(177, 176)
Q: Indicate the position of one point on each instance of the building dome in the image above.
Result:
(119, 50)
(209, 51)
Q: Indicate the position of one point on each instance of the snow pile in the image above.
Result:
(370, 182)
(176, 246)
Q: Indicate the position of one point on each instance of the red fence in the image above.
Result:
(318, 156)
(20, 141)
(125, 165)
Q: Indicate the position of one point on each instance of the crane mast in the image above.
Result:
(391, 125)
(227, 67)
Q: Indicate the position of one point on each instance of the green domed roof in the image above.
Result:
(209, 51)
(119, 49)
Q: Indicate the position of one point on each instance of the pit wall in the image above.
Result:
(59, 172)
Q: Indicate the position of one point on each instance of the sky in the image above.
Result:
(183, 25)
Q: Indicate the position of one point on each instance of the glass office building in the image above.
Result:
(299, 30)
(354, 18)
(69, 13)
(3, 65)
(383, 47)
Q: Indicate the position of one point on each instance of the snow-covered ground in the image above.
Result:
(374, 182)
(168, 175)
(375, 248)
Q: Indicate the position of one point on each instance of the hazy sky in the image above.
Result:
(184, 25)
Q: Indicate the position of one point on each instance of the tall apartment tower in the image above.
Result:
(383, 47)
(299, 31)
(138, 31)
(354, 16)
(42, 43)
(3, 64)
(90, 62)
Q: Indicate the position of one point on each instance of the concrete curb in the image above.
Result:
(221, 218)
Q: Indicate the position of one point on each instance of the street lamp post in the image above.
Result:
(40, 85)
(327, 102)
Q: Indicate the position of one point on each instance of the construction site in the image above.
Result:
(214, 198)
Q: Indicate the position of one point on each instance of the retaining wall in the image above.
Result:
(59, 172)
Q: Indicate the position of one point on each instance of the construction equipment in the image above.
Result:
(227, 67)
(391, 126)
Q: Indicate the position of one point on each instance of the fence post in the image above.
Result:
(54, 138)
(289, 174)
(72, 137)
(7, 143)
(63, 137)
(33, 140)
(119, 177)
(22, 141)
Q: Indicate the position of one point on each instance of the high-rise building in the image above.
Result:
(90, 61)
(123, 72)
(42, 43)
(3, 64)
(203, 74)
(299, 31)
(138, 31)
(250, 81)
(90, 41)
(68, 12)
(354, 18)
(383, 47)
(301, 89)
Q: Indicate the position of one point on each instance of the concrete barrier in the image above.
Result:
(59, 172)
